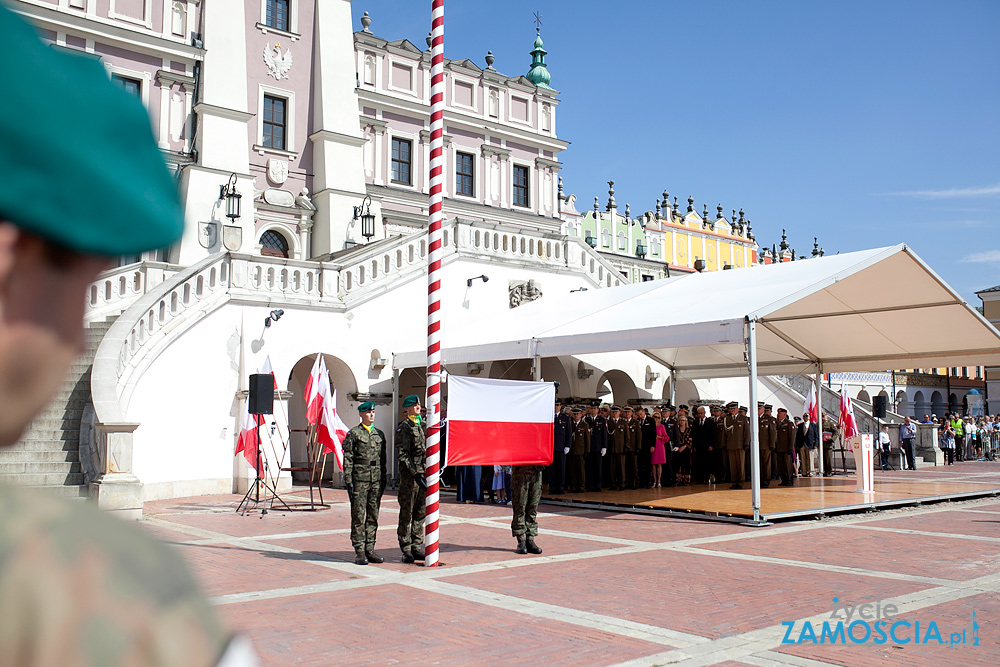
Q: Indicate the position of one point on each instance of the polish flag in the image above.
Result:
(311, 393)
(811, 406)
(499, 422)
(848, 425)
(267, 370)
(247, 440)
(330, 429)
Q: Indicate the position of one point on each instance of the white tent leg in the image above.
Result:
(819, 415)
(536, 368)
(752, 413)
(673, 387)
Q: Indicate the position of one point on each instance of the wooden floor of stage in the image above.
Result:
(809, 496)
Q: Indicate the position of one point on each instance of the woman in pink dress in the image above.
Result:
(659, 450)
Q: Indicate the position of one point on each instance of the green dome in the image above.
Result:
(538, 75)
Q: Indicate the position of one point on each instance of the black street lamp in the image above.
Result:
(228, 192)
(367, 218)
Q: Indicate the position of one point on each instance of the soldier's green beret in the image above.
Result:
(366, 406)
(412, 399)
(80, 164)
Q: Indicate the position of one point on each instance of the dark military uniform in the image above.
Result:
(526, 491)
(632, 446)
(784, 445)
(617, 437)
(598, 441)
(720, 456)
(579, 446)
(831, 428)
(411, 448)
(737, 443)
(767, 432)
(563, 427)
(364, 468)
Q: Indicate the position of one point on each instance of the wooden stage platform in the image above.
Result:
(810, 496)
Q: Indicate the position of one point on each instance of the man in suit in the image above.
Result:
(578, 448)
(560, 445)
(647, 427)
(703, 436)
(632, 445)
(784, 443)
(806, 439)
(768, 434)
(720, 460)
(617, 437)
(737, 443)
(598, 422)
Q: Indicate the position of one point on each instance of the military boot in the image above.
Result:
(407, 556)
(374, 558)
(359, 557)
(418, 553)
(532, 547)
(521, 548)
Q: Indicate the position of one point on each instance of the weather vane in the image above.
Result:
(538, 20)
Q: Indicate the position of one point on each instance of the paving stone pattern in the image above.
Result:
(609, 589)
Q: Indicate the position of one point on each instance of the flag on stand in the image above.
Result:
(311, 393)
(848, 425)
(330, 429)
(247, 440)
(811, 408)
(499, 422)
(267, 370)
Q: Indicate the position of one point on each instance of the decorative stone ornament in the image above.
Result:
(232, 237)
(277, 171)
(278, 64)
(208, 234)
(523, 291)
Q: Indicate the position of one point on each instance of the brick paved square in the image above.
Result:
(919, 555)
(273, 523)
(704, 595)
(638, 527)
(222, 569)
(393, 624)
(954, 522)
(950, 617)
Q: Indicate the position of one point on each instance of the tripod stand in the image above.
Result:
(259, 481)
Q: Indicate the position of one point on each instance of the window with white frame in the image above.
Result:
(465, 175)
(402, 152)
(521, 188)
(622, 241)
(276, 14)
(275, 115)
(128, 84)
(605, 238)
(494, 103)
(369, 69)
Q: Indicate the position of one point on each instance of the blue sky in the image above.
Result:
(865, 123)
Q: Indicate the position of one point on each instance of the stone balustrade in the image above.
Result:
(118, 288)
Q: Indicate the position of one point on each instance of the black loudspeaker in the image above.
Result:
(261, 399)
(879, 406)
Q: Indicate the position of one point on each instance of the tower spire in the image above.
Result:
(538, 74)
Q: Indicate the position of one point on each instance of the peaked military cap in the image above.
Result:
(558, 401)
(743, 408)
(79, 161)
(783, 410)
(412, 399)
(577, 410)
(760, 404)
(732, 404)
(615, 408)
(768, 407)
(366, 406)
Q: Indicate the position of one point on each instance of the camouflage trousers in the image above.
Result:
(411, 513)
(525, 491)
(364, 515)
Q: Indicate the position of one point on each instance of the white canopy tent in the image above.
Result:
(876, 309)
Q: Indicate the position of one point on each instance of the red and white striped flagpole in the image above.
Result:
(433, 467)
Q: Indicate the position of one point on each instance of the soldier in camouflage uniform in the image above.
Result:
(526, 491)
(77, 586)
(411, 448)
(364, 477)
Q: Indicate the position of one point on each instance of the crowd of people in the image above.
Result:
(967, 438)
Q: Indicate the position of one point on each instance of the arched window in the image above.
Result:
(369, 70)
(605, 238)
(622, 241)
(273, 244)
(494, 103)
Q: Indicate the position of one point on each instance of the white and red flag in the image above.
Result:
(247, 440)
(267, 370)
(499, 422)
(811, 408)
(848, 425)
(330, 429)
(311, 393)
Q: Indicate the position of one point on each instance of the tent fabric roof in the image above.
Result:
(876, 309)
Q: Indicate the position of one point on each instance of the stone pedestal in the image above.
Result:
(119, 493)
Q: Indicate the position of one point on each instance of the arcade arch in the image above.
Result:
(616, 387)
(342, 381)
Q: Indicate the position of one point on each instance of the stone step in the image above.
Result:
(43, 479)
(46, 467)
(57, 422)
(69, 491)
(48, 444)
(38, 455)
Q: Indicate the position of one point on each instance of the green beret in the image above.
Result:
(79, 161)
(366, 406)
(412, 399)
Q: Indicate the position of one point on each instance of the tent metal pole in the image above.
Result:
(536, 368)
(754, 425)
(819, 414)
(673, 387)
(391, 458)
